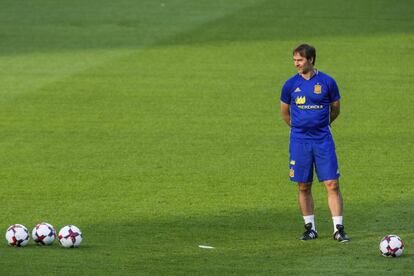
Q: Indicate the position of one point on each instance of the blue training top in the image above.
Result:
(309, 102)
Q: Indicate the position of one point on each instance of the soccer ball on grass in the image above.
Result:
(391, 246)
(70, 236)
(17, 235)
(44, 234)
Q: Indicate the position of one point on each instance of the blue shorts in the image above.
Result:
(305, 155)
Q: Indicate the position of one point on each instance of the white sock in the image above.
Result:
(310, 219)
(336, 220)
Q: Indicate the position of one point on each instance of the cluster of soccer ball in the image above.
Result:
(43, 234)
(391, 246)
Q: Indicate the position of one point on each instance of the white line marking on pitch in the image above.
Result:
(206, 247)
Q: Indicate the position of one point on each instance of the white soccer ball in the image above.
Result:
(391, 246)
(44, 234)
(70, 236)
(17, 235)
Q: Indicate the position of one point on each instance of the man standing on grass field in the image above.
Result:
(309, 104)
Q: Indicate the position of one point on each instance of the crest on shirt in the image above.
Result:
(292, 173)
(317, 89)
(297, 90)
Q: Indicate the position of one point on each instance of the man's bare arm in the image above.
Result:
(335, 109)
(285, 112)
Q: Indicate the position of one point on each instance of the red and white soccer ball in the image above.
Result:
(44, 234)
(17, 235)
(391, 246)
(70, 236)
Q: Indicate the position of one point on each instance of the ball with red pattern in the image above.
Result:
(17, 235)
(391, 246)
(44, 234)
(70, 236)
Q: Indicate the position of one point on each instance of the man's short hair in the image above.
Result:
(307, 51)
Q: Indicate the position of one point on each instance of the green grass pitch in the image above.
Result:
(154, 127)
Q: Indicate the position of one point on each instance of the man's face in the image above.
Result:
(302, 64)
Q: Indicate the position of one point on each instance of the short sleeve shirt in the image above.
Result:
(309, 102)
